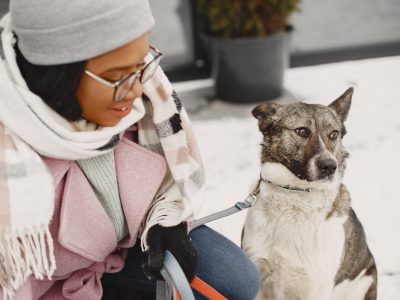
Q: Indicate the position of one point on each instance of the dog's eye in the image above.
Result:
(334, 135)
(302, 131)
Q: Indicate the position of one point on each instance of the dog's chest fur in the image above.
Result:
(296, 247)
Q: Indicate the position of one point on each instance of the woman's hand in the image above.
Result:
(176, 240)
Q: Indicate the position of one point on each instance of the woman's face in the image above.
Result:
(95, 98)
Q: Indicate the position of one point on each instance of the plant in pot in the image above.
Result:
(248, 43)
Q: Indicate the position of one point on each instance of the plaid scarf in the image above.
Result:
(28, 127)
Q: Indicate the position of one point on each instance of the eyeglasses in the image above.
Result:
(123, 86)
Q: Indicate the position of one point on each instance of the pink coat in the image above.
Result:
(85, 242)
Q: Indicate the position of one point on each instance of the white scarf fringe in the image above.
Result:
(24, 253)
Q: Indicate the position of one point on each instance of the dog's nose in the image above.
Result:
(326, 167)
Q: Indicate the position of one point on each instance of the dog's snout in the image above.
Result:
(326, 166)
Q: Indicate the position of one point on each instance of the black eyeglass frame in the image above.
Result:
(136, 74)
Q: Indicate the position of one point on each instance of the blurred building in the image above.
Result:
(324, 31)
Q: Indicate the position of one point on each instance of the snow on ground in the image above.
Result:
(229, 140)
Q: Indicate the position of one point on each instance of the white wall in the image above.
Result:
(327, 24)
(173, 32)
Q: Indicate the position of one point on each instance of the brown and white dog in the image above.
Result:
(302, 233)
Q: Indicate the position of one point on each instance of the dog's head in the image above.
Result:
(305, 138)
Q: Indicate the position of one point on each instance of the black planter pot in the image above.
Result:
(249, 69)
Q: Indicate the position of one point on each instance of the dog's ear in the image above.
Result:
(342, 104)
(265, 113)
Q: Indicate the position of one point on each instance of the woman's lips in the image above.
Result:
(122, 111)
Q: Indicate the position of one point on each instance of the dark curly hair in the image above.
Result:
(55, 84)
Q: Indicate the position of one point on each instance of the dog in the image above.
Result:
(302, 233)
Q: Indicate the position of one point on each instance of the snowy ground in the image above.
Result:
(229, 141)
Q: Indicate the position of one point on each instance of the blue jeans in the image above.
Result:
(222, 265)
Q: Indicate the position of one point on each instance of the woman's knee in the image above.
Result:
(224, 266)
(239, 283)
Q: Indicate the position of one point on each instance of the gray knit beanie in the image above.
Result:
(54, 32)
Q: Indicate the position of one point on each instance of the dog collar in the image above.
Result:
(287, 187)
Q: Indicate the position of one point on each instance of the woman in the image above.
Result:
(97, 152)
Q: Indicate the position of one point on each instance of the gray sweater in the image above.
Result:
(100, 171)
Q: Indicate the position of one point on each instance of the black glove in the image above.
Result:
(174, 239)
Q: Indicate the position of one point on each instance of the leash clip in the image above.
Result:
(251, 199)
(248, 202)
